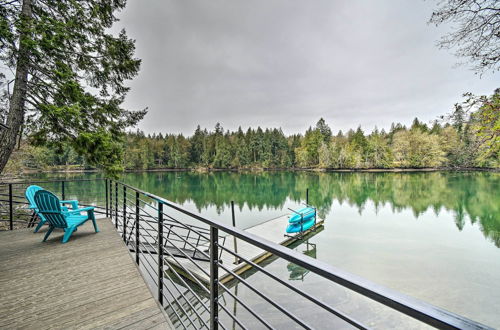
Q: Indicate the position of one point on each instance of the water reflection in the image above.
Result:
(188, 301)
(409, 250)
(471, 196)
(297, 272)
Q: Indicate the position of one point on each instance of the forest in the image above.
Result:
(462, 139)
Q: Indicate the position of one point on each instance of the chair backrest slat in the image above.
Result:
(30, 194)
(49, 205)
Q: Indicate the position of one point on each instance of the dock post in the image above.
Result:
(160, 253)
(125, 214)
(234, 238)
(11, 210)
(137, 227)
(214, 278)
(107, 197)
(307, 196)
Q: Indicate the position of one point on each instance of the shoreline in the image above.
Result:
(256, 170)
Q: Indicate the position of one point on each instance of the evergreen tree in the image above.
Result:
(462, 141)
(324, 129)
(197, 145)
(309, 148)
(223, 155)
(417, 124)
(436, 128)
(293, 144)
(69, 77)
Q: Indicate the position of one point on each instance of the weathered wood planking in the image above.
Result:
(272, 230)
(90, 282)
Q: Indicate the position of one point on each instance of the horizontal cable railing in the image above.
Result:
(188, 261)
(14, 211)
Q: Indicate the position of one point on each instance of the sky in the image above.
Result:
(287, 63)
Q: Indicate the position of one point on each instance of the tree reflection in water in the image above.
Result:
(471, 196)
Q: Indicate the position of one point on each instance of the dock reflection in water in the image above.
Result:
(297, 272)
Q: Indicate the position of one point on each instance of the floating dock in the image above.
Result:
(272, 230)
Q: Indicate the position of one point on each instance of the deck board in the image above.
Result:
(90, 282)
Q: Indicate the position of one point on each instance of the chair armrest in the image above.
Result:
(73, 202)
(90, 208)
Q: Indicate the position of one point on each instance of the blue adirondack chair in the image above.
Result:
(50, 207)
(30, 196)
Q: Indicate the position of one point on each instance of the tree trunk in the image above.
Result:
(15, 118)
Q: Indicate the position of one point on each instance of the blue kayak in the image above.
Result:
(296, 227)
(307, 213)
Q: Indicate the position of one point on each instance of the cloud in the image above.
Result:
(287, 63)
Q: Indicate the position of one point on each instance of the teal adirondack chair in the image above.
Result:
(30, 196)
(50, 207)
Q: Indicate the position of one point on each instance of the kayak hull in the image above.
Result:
(298, 227)
(307, 214)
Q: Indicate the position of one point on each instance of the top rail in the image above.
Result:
(50, 181)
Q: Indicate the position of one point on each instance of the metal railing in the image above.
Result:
(14, 206)
(183, 255)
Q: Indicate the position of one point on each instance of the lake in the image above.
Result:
(431, 235)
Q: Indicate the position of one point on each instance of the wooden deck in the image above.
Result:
(272, 230)
(90, 282)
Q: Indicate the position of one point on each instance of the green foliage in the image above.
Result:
(487, 121)
(414, 149)
(307, 153)
(77, 74)
(463, 140)
(378, 152)
(324, 129)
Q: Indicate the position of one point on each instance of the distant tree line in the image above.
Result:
(464, 138)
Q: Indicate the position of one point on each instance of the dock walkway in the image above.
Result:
(90, 282)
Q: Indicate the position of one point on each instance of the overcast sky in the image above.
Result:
(285, 63)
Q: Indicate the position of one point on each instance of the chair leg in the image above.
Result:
(31, 223)
(40, 224)
(48, 233)
(92, 217)
(67, 234)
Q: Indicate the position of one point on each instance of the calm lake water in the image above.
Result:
(434, 236)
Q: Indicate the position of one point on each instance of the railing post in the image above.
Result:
(137, 227)
(214, 278)
(235, 243)
(107, 197)
(110, 199)
(11, 210)
(160, 252)
(124, 213)
(116, 205)
(62, 190)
